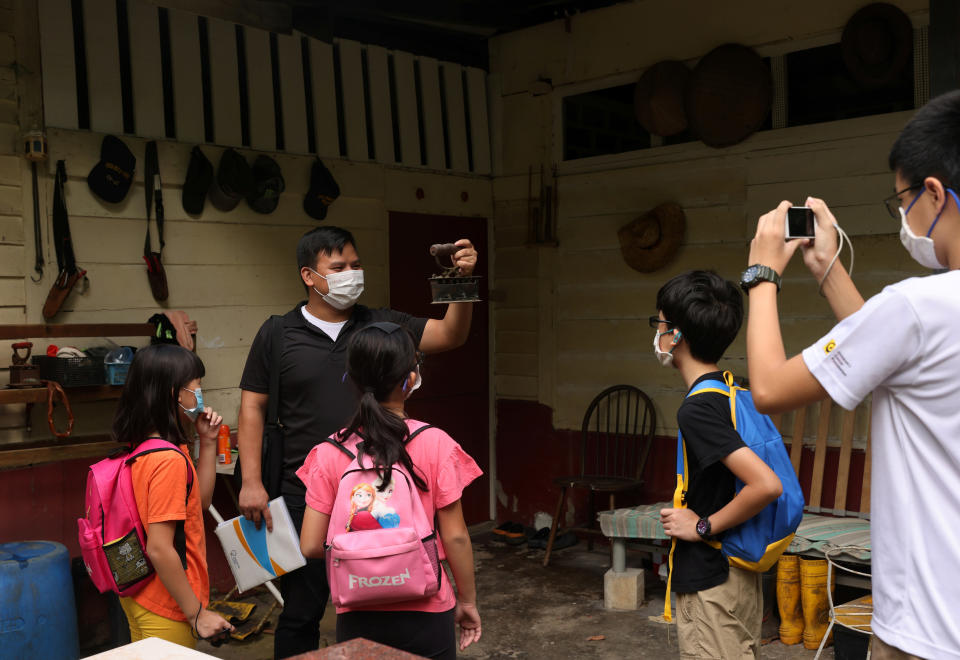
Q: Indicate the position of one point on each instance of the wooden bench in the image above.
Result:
(835, 478)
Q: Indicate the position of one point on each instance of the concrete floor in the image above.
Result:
(530, 612)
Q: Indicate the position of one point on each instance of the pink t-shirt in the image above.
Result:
(437, 457)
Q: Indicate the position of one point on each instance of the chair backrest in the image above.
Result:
(617, 433)
(842, 475)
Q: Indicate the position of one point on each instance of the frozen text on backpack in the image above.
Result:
(381, 547)
(113, 542)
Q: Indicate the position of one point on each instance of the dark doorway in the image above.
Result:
(455, 395)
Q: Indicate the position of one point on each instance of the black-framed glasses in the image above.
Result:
(655, 322)
(893, 201)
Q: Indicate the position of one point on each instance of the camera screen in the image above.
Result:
(800, 222)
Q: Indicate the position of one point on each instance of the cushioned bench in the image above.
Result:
(823, 527)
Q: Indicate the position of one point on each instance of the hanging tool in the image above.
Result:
(153, 194)
(69, 274)
(35, 150)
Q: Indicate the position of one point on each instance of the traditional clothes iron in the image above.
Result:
(22, 373)
(449, 286)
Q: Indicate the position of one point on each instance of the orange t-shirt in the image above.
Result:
(159, 485)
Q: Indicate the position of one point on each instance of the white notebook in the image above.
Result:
(256, 555)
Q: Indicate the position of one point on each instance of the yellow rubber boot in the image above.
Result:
(816, 606)
(788, 599)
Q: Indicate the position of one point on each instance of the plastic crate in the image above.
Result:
(116, 373)
(71, 372)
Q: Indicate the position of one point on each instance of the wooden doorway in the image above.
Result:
(455, 394)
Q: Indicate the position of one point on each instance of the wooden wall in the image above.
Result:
(228, 271)
(571, 320)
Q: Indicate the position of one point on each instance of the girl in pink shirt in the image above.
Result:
(382, 362)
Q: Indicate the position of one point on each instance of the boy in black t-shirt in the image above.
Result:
(719, 607)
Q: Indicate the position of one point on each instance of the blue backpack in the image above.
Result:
(754, 545)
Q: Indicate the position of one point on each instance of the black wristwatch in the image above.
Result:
(756, 274)
(703, 529)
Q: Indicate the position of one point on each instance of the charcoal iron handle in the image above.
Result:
(443, 250)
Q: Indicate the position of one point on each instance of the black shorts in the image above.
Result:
(430, 634)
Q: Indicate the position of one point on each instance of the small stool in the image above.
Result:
(855, 615)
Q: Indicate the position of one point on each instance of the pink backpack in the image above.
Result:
(112, 539)
(381, 547)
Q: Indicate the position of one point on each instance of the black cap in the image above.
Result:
(232, 183)
(267, 185)
(195, 186)
(323, 191)
(110, 179)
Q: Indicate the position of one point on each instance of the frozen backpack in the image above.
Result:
(754, 545)
(112, 539)
(381, 547)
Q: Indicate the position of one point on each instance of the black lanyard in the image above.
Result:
(61, 224)
(152, 190)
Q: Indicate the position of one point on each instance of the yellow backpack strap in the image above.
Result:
(679, 502)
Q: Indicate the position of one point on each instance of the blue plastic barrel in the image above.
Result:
(38, 618)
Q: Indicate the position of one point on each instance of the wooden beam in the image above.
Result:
(843, 467)
(270, 16)
(91, 446)
(37, 331)
(820, 456)
(74, 394)
(796, 441)
(944, 46)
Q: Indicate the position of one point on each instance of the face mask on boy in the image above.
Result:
(344, 287)
(194, 412)
(921, 248)
(665, 357)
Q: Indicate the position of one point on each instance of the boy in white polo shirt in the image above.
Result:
(903, 345)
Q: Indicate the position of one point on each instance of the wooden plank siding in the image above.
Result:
(228, 271)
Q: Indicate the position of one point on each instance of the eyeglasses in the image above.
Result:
(655, 322)
(893, 201)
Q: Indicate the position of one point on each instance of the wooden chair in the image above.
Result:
(617, 433)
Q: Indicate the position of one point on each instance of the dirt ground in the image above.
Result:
(531, 612)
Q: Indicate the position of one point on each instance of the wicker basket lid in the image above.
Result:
(650, 242)
(877, 44)
(658, 98)
(729, 95)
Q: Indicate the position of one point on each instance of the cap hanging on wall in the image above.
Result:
(322, 193)
(268, 184)
(658, 98)
(197, 182)
(729, 95)
(232, 182)
(650, 242)
(877, 44)
(111, 177)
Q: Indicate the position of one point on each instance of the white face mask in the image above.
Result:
(920, 247)
(665, 357)
(416, 384)
(345, 288)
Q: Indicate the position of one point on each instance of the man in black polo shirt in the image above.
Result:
(315, 401)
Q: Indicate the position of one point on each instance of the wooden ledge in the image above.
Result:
(49, 331)
(91, 446)
(74, 394)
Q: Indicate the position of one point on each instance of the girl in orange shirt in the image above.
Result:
(161, 398)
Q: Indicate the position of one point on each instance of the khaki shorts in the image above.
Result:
(723, 622)
(880, 650)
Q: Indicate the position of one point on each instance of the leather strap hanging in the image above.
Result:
(67, 263)
(53, 390)
(153, 194)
